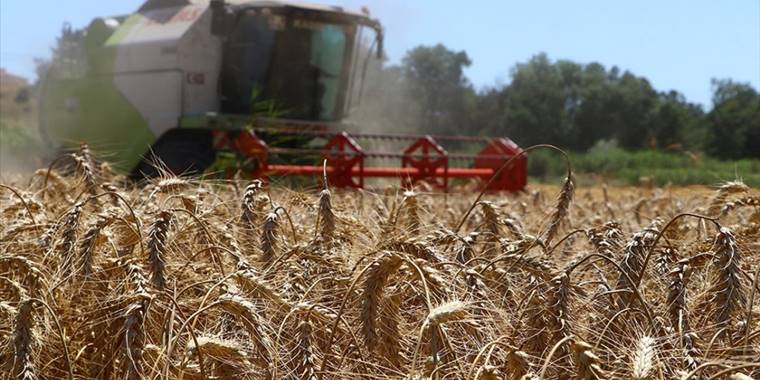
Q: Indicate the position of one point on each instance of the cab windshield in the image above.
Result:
(294, 66)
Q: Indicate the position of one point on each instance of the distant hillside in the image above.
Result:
(16, 103)
(7, 77)
(20, 147)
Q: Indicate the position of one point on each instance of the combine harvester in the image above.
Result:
(186, 81)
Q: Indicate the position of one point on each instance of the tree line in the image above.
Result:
(569, 104)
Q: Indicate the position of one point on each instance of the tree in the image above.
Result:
(677, 122)
(67, 55)
(574, 106)
(734, 121)
(435, 80)
(594, 119)
(534, 107)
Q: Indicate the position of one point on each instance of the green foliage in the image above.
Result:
(574, 105)
(265, 108)
(17, 139)
(631, 167)
(734, 122)
(69, 58)
(436, 81)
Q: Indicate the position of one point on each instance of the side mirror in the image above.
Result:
(222, 18)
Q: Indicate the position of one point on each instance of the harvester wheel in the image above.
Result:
(182, 152)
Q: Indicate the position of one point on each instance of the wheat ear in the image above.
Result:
(517, 364)
(257, 288)
(643, 362)
(563, 205)
(558, 309)
(223, 350)
(586, 362)
(412, 208)
(372, 294)
(304, 351)
(722, 194)
(24, 340)
(89, 242)
(391, 335)
(269, 233)
(488, 372)
(248, 202)
(133, 329)
(69, 235)
(245, 311)
(326, 216)
(157, 236)
(728, 293)
(87, 165)
(633, 262)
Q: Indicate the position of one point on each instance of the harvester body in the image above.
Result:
(192, 80)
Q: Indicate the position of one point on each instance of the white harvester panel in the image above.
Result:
(167, 64)
(156, 95)
(200, 56)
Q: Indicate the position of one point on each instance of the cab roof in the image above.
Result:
(158, 4)
(292, 4)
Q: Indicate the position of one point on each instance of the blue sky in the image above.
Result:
(677, 44)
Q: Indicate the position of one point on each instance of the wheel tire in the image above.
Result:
(182, 152)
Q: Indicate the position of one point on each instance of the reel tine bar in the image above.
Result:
(423, 160)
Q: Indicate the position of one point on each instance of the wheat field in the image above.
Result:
(183, 279)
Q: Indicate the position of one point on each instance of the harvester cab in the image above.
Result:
(236, 85)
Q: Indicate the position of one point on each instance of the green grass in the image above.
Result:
(618, 166)
(16, 138)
